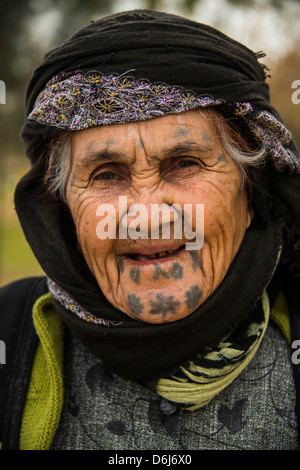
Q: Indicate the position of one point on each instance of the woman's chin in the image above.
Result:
(156, 289)
(160, 304)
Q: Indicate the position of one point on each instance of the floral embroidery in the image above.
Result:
(66, 301)
(78, 101)
(276, 138)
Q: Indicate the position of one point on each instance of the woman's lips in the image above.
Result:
(156, 255)
(153, 253)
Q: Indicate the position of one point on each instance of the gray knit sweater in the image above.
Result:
(104, 411)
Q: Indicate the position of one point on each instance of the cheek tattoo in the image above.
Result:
(120, 263)
(196, 263)
(176, 272)
(135, 304)
(159, 272)
(192, 297)
(163, 305)
(135, 274)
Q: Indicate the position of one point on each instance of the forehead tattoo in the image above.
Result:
(89, 148)
(181, 131)
(207, 138)
(222, 158)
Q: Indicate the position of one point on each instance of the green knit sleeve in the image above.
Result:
(45, 394)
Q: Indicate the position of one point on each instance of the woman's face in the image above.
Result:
(173, 160)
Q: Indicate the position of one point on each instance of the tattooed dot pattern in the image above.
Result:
(159, 272)
(135, 304)
(135, 275)
(196, 263)
(163, 305)
(192, 297)
(121, 265)
(176, 271)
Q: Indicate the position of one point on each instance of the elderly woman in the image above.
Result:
(136, 339)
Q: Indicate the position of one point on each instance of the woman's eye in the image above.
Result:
(106, 176)
(181, 168)
(110, 176)
(187, 163)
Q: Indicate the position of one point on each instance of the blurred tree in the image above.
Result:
(21, 50)
(274, 3)
(10, 20)
(283, 75)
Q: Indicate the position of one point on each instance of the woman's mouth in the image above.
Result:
(152, 254)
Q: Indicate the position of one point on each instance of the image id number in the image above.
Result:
(169, 460)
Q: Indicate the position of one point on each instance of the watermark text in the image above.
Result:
(296, 353)
(2, 352)
(296, 93)
(2, 92)
(162, 221)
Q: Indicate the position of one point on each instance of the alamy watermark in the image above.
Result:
(296, 93)
(296, 353)
(2, 352)
(163, 222)
(2, 92)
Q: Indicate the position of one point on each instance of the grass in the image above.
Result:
(16, 258)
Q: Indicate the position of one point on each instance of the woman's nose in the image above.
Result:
(152, 218)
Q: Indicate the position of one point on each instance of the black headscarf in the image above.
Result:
(162, 48)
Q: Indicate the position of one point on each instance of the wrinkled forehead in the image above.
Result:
(157, 138)
(193, 124)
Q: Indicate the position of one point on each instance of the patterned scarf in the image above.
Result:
(213, 369)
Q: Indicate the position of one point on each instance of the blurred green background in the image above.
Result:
(29, 28)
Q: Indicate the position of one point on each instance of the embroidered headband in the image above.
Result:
(80, 100)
